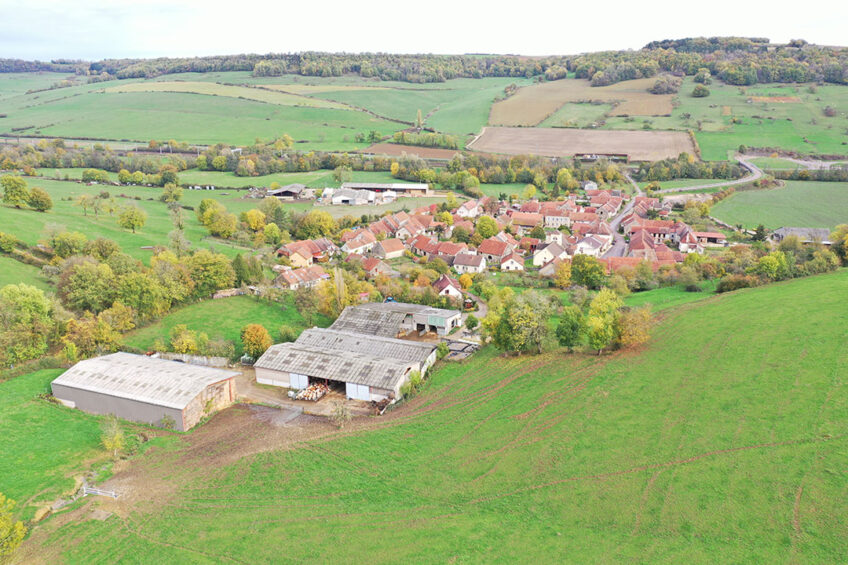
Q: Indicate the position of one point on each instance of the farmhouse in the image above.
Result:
(400, 188)
(145, 389)
(389, 249)
(512, 262)
(710, 238)
(447, 286)
(307, 277)
(468, 263)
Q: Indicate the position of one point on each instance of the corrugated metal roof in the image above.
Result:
(358, 368)
(350, 342)
(141, 378)
(369, 322)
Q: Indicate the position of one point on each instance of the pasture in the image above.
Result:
(223, 318)
(683, 183)
(719, 437)
(32, 227)
(532, 105)
(775, 163)
(730, 116)
(15, 272)
(561, 142)
(44, 445)
(797, 204)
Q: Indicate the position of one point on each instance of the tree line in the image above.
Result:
(735, 60)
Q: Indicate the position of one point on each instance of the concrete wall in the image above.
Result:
(133, 410)
(272, 377)
(213, 398)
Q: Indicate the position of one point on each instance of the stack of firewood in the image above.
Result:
(313, 392)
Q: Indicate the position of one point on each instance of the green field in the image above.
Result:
(720, 438)
(761, 124)
(798, 204)
(14, 272)
(43, 444)
(775, 163)
(224, 318)
(312, 179)
(30, 226)
(683, 183)
(670, 296)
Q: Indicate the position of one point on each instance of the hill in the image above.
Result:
(725, 436)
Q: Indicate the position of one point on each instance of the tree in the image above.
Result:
(132, 218)
(184, 340)
(143, 293)
(486, 227)
(760, 233)
(522, 324)
(562, 275)
(171, 193)
(287, 334)
(91, 335)
(12, 532)
(538, 232)
(25, 323)
(87, 285)
(600, 332)
(112, 435)
(15, 191)
(465, 281)
(471, 322)
(342, 174)
(255, 340)
(255, 220)
(272, 234)
(68, 243)
(39, 199)
(570, 327)
(700, 91)
(240, 269)
(210, 272)
(635, 326)
(529, 192)
(587, 271)
(340, 415)
(223, 225)
(317, 223)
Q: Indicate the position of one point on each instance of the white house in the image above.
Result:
(469, 209)
(548, 253)
(512, 262)
(468, 263)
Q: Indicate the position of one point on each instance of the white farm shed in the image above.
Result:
(145, 389)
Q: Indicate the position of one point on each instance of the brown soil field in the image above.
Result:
(532, 104)
(396, 149)
(562, 142)
(726, 110)
(778, 99)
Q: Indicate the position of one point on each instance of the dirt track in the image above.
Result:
(563, 142)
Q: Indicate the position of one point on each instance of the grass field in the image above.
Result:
(577, 115)
(682, 183)
(535, 104)
(670, 296)
(14, 272)
(798, 204)
(798, 126)
(775, 163)
(223, 318)
(31, 226)
(719, 438)
(312, 179)
(43, 444)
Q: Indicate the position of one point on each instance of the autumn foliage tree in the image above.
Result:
(255, 340)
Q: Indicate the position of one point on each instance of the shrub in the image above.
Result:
(735, 282)
(700, 91)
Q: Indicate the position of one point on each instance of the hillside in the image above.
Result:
(724, 436)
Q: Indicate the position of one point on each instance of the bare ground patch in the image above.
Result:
(560, 142)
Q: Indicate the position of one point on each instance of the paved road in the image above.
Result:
(754, 173)
(619, 246)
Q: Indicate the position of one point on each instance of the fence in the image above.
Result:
(86, 490)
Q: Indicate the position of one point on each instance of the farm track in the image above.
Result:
(754, 173)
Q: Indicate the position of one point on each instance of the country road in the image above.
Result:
(754, 174)
(619, 246)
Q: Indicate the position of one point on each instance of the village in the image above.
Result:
(375, 351)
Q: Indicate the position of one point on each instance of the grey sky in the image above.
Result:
(90, 29)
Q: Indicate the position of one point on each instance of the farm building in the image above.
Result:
(369, 367)
(352, 197)
(288, 192)
(398, 188)
(394, 319)
(805, 235)
(145, 389)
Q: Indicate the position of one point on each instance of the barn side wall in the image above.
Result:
(133, 410)
(272, 377)
(213, 398)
